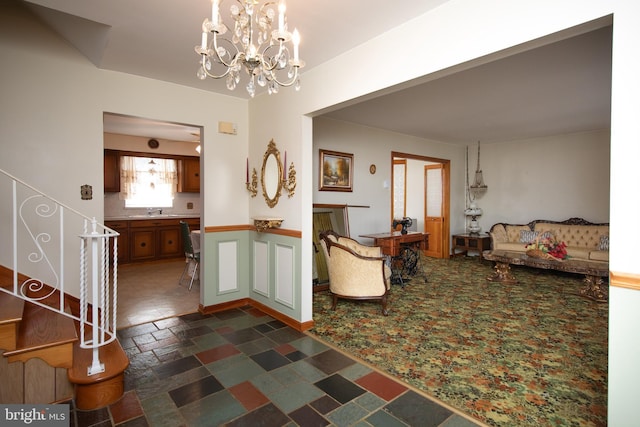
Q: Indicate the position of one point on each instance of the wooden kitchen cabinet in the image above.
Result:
(189, 175)
(169, 242)
(121, 227)
(143, 244)
(150, 239)
(155, 239)
(111, 171)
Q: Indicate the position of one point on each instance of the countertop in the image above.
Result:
(142, 216)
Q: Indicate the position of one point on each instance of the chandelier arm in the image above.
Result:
(291, 82)
(277, 57)
(214, 76)
(234, 57)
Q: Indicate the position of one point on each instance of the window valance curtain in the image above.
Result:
(146, 174)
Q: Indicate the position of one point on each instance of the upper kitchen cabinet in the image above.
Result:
(111, 171)
(189, 175)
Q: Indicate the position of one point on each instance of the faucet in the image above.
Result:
(150, 211)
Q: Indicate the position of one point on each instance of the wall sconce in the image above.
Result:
(289, 183)
(252, 187)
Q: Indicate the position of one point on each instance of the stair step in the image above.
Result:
(99, 390)
(45, 334)
(10, 316)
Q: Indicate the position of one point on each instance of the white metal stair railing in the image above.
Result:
(43, 231)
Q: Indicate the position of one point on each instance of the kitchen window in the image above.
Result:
(148, 182)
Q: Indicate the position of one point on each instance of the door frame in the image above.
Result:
(446, 194)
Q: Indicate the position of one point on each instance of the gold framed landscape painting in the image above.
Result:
(336, 171)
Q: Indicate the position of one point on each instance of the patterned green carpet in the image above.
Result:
(531, 354)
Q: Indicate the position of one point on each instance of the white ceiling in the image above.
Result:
(559, 88)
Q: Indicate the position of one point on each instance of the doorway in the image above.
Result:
(150, 249)
(422, 185)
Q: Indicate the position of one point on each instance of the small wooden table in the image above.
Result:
(391, 243)
(470, 242)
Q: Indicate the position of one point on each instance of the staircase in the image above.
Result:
(57, 341)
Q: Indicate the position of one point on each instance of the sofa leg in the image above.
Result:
(384, 305)
(595, 289)
(503, 274)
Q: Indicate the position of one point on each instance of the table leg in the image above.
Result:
(502, 274)
(595, 289)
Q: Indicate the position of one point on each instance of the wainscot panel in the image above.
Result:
(285, 261)
(261, 268)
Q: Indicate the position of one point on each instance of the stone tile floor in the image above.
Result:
(243, 368)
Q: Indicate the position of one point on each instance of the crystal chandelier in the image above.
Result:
(263, 51)
(478, 188)
(474, 191)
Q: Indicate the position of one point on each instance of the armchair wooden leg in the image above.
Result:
(335, 302)
(384, 305)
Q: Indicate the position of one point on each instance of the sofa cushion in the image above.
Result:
(599, 256)
(509, 246)
(578, 253)
(528, 236)
(513, 232)
(604, 242)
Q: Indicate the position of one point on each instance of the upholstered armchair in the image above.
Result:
(355, 271)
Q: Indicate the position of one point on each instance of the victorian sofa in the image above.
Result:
(585, 241)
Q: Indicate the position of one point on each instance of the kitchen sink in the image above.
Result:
(146, 216)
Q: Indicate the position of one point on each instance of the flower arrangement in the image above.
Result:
(547, 247)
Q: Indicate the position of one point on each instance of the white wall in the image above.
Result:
(554, 178)
(51, 122)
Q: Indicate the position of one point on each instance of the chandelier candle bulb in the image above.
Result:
(214, 12)
(204, 40)
(296, 43)
(281, 8)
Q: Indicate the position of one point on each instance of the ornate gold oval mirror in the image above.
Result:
(271, 175)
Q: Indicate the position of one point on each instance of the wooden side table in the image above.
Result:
(470, 242)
